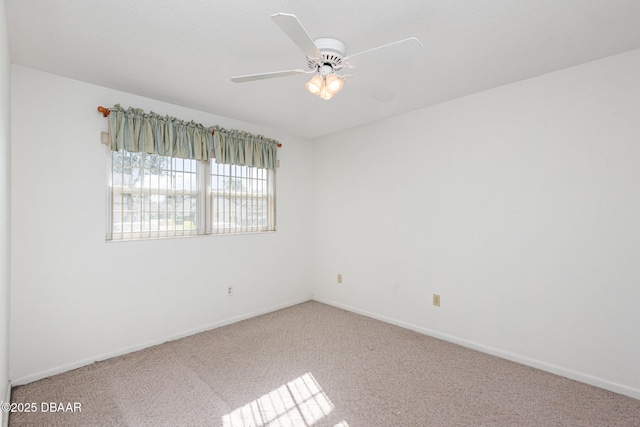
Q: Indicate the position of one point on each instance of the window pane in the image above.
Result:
(146, 189)
(241, 199)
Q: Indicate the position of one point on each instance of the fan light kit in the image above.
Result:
(325, 87)
(326, 56)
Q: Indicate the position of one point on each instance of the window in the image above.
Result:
(241, 199)
(153, 196)
(181, 189)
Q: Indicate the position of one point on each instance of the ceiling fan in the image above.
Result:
(326, 56)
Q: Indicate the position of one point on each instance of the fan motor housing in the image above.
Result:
(333, 52)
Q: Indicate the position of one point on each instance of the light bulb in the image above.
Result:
(334, 83)
(314, 85)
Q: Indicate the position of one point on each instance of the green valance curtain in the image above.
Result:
(136, 131)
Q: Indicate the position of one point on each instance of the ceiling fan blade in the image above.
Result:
(262, 76)
(296, 32)
(376, 92)
(390, 52)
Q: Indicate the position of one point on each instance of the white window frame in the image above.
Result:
(204, 210)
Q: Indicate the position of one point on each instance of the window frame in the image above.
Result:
(204, 209)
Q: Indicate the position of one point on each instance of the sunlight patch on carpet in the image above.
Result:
(298, 402)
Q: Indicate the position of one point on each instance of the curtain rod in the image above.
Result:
(105, 113)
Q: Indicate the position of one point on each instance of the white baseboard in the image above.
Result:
(64, 368)
(544, 366)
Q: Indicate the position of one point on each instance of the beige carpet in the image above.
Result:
(313, 364)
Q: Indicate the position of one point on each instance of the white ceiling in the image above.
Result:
(185, 52)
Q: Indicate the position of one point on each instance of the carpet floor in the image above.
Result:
(315, 365)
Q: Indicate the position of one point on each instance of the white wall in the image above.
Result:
(518, 205)
(5, 201)
(77, 298)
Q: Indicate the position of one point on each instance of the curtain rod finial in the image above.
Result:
(105, 111)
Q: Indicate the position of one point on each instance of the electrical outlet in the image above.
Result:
(339, 278)
(229, 291)
(436, 300)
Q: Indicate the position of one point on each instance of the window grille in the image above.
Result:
(241, 199)
(154, 196)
